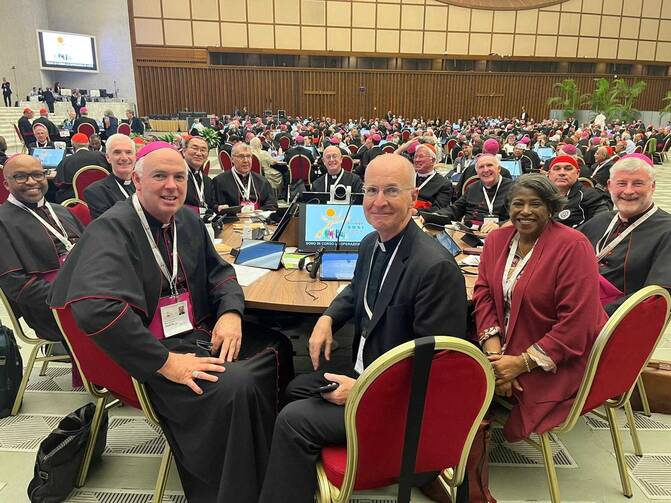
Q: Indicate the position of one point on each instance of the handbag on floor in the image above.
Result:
(61, 454)
(477, 466)
(11, 370)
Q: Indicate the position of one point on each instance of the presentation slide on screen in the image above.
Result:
(67, 50)
(324, 221)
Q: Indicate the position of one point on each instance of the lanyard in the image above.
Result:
(154, 247)
(490, 204)
(509, 283)
(602, 252)
(244, 192)
(123, 191)
(369, 311)
(342, 172)
(596, 170)
(62, 236)
(428, 179)
(200, 189)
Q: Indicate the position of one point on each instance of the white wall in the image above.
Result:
(18, 43)
(107, 21)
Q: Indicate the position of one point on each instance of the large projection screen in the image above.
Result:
(67, 51)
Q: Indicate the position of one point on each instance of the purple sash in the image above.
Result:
(608, 293)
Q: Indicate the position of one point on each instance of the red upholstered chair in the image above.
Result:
(86, 129)
(389, 148)
(470, 181)
(405, 135)
(4, 193)
(225, 162)
(79, 209)
(17, 131)
(460, 376)
(284, 143)
(256, 164)
(123, 128)
(353, 148)
(206, 167)
(86, 176)
(105, 379)
(37, 343)
(299, 167)
(347, 163)
(359, 149)
(451, 143)
(618, 356)
(638, 150)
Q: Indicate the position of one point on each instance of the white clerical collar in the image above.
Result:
(426, 175)
(333, 177)
(240, 174)
(12, 199)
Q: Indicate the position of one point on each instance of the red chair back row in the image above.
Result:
(225, 162)
(347, 163)
(284, 143)
(299, 168)
(123, 128)
(353, 148)
(86, 176)
(256, 164)
(86, 129)
(79, 209)
(4, 193)
(389, 149)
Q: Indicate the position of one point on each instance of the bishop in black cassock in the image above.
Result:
(435, 191)
(200, 189)
(218, 423)
(335, 175)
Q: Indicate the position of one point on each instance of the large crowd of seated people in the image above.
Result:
(571, 235)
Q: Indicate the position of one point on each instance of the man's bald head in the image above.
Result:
(19, 173)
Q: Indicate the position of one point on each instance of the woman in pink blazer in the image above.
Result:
(537, 308)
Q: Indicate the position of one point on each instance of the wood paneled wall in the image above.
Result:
(165, 88)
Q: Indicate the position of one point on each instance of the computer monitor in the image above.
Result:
(66, 92)
(515, 168)
(84, 92)
(103, 93)
(338, 266)
(94, 93)
(324, 225)
(545, 153)
(49, 157)
(325, 197)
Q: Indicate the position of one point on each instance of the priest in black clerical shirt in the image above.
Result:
(41, 138)
(241, 186)
(118, 186)
(36, 237)
(335, 174)
(200, 189)
(173, 320)
(435, 191)
(405, 286)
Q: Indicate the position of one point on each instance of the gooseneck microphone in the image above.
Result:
(344, 220)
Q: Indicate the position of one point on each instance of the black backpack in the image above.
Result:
(11, 370)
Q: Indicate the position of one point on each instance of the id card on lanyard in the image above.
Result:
(59, 234)
(245, 193)
(490, 217)
(200, 190)
(175, 311)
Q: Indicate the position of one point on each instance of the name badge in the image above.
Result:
(248, 207)
(490, 219)
(202, 210)
(175, 318)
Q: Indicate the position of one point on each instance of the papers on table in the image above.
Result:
(472, 260)
(248, 275)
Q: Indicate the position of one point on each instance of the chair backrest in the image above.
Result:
(389, 148)
(95, 366)
(638, 150)
(347, 163)
(79, 209)
(14, 320)
(284, 142)
(360, 147)
(460, 376)
(586, 182)
(621, 350)
(123, 128)
(4, 193)
(451, 143)
(299, 166)
(87, 129)
(650, 146)
(225, 162)
(405, 135)
(17, 131)
(353, 148)
(470, 181)
(206, 167)
(86, 176)
(256, 164)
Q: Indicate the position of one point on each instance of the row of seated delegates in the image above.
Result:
(537, 308)
(3, 150)
(117, 186)
(83, 118)
(37, 237)
(66, 169)
(229, 415)
(371, 151)
(632, 243)
(398, 266)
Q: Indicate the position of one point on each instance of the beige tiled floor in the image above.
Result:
(594, 479)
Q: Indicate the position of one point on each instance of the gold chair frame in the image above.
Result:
(80, 170)
(610, 405)
(450, 478)
(37, 343)
(105, 399)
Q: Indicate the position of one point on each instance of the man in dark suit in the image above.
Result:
(103, 194)
(54, 133)
(67, 168)
(435, 190)
(136, 124)
(405, 286)
(299, 149)
(85, 119)
(49, 99)
(26, 127)
(369, 155)
(77, 101)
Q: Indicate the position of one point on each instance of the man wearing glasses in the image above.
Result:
(36, 237)
(405, 286)
(435, 191)
(242, 187)
(335, 174)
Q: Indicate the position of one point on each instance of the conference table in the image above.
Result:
(292, 290)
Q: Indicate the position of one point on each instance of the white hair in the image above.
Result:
(631, 164)
(428, 150)
(116, 138)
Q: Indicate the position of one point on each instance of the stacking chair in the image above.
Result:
(347, 163)
(17, 131)
(470, 181)
(389, 149)
(79, 209)
(352, 148)
(104, 379)
(4, 193)
(377, 440)
(650, 148)
(256, 164)
(618, 356)
(405, 135)
(86, 176)
(586, 182)
(285, 143)
(299, 167)
(225, 162)
(86, 129)
(206, 167)
(123, 128)
(37, 343)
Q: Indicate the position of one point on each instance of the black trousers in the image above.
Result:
(8, 99)
(303, 427)
(50, 106)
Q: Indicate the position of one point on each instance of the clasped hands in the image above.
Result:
(186, 368)
(506, 369)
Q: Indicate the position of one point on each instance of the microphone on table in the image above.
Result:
(344, 220)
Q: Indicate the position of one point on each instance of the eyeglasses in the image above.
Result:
(243, 156)
(391, 192)
(38, 176)
(331, 157)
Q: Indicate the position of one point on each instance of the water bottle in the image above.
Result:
(247, 229)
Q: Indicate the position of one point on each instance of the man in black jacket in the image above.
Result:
(405, 286)
(54, 133)
(25, 126)
(369, 155)
(67, 168)
(435, 190)
(335, 174)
